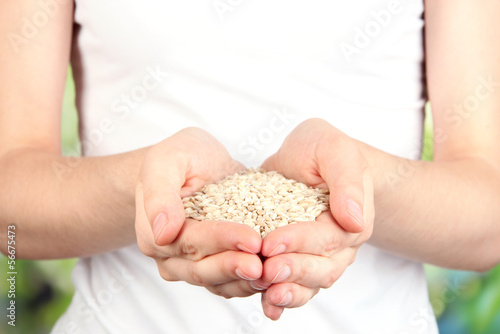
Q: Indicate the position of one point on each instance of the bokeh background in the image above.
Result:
(464, 302)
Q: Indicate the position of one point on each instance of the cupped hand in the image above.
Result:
(221, 256)
(307, 256)
(303, 258)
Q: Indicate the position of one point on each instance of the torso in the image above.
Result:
(249, 79)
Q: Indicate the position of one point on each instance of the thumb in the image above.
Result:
(165, 211)
(350, 186)
(163, 205)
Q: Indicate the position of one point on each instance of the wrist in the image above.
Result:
(124, 175)
(378, 164)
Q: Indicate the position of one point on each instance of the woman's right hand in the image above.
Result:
(221, 256)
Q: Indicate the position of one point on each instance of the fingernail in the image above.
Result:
(256, 285)
(242, 276)
(277, 250)
(243, 248)
(356, 212)
(286, 300)
(159, 224)
(282, 274)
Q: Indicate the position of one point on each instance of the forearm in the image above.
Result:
(68, 207)
(445, 213)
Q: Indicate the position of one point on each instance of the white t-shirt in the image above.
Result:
(248, 72)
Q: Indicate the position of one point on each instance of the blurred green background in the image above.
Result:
(464, 302)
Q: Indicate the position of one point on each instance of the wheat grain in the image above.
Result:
(262, 200)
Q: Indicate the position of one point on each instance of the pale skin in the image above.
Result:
(444, 212)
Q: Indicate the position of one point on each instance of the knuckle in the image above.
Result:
(165, 273)
(149, 251)
(214, 227)
(314, 293)
(369, 228)
(353, 258)
(189, 251)
(146, 248)
(196, 278)
(216, 290)
(330, 279)
(219, 291)
(364, 237)
(328, 282)
(331, 245)
(310, 265)
(167, 276)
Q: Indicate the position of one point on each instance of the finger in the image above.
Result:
(198, 239)
(237, 288)
(213, 270)
(161, 184)
(296, 158)
(143, 231)
(307, 270)
(322, 237)
(347, 176)
(286, 163)
(271, 311)
(287, 295)
(272, 163)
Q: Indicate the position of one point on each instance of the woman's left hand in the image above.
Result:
(307, 256)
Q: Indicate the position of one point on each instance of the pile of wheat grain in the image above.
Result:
(259, 199)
